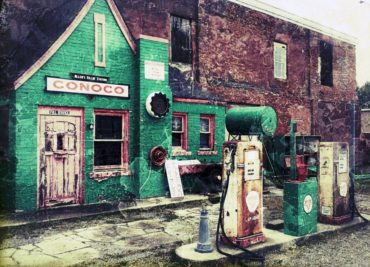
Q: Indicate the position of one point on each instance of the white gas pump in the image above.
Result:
(242, 216)
(241, 205)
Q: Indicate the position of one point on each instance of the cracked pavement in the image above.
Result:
(104, 239)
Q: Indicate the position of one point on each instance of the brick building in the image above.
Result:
(78, 94)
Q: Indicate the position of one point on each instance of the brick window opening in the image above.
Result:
(179, 131)
(280, 63)
(206, 132)
(181, 48)
(99, 21)
(111, 139)
(326, 63)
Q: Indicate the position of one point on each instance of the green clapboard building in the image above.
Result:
(80, 123)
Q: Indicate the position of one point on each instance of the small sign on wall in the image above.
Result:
(343, 161)
(174, 179)
(154, 70)
(365, 121)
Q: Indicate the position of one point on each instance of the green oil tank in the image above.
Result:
(251, 121)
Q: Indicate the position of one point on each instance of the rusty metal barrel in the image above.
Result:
(251, 121)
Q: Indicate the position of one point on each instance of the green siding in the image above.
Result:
(75, 55)
(152, 131)
(194, 111)
(7, 162)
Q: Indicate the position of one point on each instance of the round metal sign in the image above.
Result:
(252, 200)
(307, 204)
(157, 105)
(343, 188)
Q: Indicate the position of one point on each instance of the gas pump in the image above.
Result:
(241, 211)
(242, 214)
(334, 183)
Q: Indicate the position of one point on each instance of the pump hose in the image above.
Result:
(251, 256)
(353, 200)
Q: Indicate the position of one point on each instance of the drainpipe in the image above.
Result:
(353, 163)
(293, 152)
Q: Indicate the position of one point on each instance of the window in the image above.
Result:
(179, 131)
(326, 63)
(99, 21)
(206, 132)
(280, 61)
(181, 40)
(111, 139)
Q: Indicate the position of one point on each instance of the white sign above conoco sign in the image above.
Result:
(84, 87)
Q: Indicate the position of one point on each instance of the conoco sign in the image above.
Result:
(84, 87)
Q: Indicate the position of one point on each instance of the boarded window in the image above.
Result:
(280, 61)
(326, 65)
(181, 40)
(110, 140)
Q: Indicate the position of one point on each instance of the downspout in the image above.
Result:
(353, 163)
(309, 85)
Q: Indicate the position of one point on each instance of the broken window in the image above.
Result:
(110, 140)
(206, 132)
(181, 49)
(280, 61)
(179, 131)
(326, 63)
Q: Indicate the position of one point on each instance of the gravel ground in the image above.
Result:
(347, 248)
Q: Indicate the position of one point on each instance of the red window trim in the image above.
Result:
(125, 131)
(184, 136)
(211, 119)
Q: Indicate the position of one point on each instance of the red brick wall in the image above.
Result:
(233, 62)
(236, 61)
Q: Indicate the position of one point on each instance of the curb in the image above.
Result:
(143, 210)
(185, 253)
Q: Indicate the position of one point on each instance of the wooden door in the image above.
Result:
(60, 161)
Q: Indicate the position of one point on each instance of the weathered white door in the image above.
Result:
(59, 154)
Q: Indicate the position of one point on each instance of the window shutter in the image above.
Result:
(280, 61)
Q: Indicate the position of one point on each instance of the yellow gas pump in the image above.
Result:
(334, 183)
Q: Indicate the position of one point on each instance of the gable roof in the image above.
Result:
(26, 53)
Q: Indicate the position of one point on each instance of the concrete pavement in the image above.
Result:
(154, 226)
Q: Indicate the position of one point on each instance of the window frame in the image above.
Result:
(99, 19)
(171, 50)
(281, 60)
(325, 63)
(211, 138)
(184, 134)
(124, 114)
